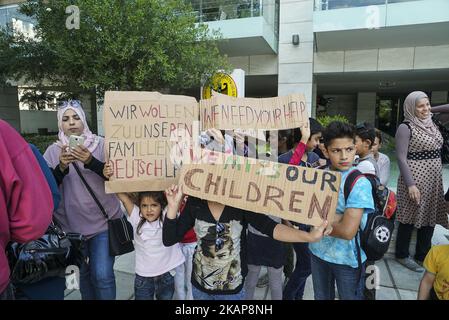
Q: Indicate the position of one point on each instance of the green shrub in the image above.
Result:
(41, 142)
(325, 120)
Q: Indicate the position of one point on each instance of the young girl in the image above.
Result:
(155, 263)
(219, 261)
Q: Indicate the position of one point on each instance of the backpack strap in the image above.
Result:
(350, 181)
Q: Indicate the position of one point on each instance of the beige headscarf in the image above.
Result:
(91, 140)
(410, 103)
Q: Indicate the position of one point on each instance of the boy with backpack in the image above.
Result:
(334, 259)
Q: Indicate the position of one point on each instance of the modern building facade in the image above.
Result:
(358, 58)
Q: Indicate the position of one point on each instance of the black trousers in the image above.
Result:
(423, 241)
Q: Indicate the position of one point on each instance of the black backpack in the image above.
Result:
(376, 236)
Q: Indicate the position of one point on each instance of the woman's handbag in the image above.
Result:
(48, 256)
(120, 231)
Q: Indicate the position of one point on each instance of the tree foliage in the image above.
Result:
(120, 45)
(38, 100)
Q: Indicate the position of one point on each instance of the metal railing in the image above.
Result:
(219, 10)
(320, 5)
(215, 10)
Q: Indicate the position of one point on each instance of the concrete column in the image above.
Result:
(9, 106)
(314, 98)
(90, 109)
(296, 61)
(366, 107)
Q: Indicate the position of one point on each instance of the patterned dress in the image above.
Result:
(426, 167)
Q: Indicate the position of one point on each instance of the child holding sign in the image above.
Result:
(219, 262)
(155, 263)
(334, 258)
(264, 251)
(294, 289)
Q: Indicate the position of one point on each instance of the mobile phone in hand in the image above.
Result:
(75, 141)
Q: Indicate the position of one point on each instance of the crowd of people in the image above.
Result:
(188, 248)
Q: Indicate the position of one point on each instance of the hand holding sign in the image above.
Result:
(216, 134)
(108, 171)
(305, 133)
(174, 196)
(318, 232)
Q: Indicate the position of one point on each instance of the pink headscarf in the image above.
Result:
(90, 140)
(410, 103)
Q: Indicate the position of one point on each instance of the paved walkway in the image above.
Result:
(396, 281)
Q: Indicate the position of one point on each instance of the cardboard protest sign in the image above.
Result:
(227, 113)
(290, 192)
(141, 129)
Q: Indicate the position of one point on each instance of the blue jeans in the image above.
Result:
(97, 279)
(146, 287)
(325, 274)
(294, 290)
(200, 295)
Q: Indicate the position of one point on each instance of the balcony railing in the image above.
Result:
(214, 10)
(340, 4)
(220, 10)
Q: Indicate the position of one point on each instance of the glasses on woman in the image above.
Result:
(71, 103)
(219, 239)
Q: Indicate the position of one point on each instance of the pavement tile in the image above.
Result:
(404, 278)
(386, 293)
(408, 295)
(125, 263)
(124, 283)
(260, 293)
(72, 295)
(384, 276)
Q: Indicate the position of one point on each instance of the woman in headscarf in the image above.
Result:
(420, 195)
(78, 211)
